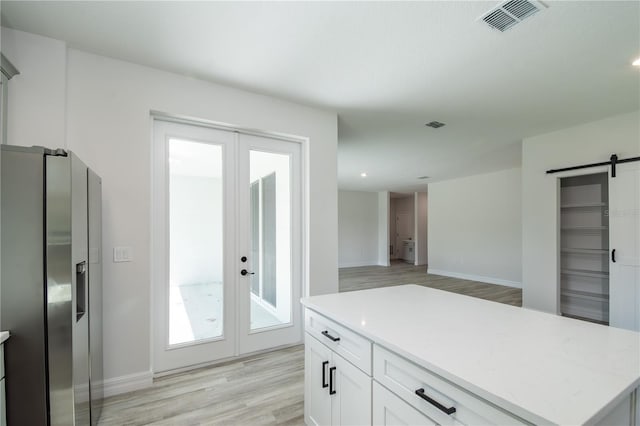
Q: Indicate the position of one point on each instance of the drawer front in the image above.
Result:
(389, 410)
(351, 346)
(404, 378)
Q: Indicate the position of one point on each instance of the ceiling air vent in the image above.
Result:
(435, 124)
(506, 15)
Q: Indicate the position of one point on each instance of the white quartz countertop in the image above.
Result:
(4, 335)
(544, 368)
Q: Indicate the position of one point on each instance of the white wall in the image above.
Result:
(37, 96)
(383, 228)
(474, 228)
(108, 104)
(420, 234)
(357, 228)
(587, 143)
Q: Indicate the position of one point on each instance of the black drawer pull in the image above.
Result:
(421, 394)
(332, 390)
(327, 335)
(324, 374)
(613, 255)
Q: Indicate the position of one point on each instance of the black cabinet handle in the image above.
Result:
(332, 390)
(245, 272)
(421, 394)
(613, 255)
(328, 336)
(324, 374)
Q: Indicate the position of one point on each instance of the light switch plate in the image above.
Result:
(122, 254)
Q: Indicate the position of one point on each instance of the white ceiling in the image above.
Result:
(386, 68)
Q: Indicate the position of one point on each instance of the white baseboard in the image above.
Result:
(128, 383)
(356, 264)
(489, 280)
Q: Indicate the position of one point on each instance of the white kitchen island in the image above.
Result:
(415, 355)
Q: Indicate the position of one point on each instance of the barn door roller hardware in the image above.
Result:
(613, 161)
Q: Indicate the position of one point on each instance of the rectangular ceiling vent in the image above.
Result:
(435, 124)
(506, 15)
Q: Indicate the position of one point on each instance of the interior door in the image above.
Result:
(269, 228)
(624, 224)
(227, 247)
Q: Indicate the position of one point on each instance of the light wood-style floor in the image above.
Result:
(399, 273)
(266, 389)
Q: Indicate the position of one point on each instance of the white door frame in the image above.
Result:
(558, 178)
(159, 229)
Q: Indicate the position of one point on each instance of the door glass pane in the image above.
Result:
(196, 241)
(270, 236)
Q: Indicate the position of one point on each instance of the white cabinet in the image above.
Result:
(336, 391)
(351, 346)
(317, 401)
(390, 410)
(399, 363)
(351, 404)
(434, 397)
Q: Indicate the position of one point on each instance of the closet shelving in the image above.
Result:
(584, 242)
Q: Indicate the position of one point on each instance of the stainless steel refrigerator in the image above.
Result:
(51, 287)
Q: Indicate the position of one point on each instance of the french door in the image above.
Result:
(226, 244)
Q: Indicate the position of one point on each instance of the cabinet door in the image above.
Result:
(351, 402)
(317, 401)
(388, 410)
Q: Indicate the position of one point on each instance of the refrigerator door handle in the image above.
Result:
(81, 289)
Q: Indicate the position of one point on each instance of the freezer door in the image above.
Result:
(60, 291)
(96, 377)
(80, 281)
(23, 291)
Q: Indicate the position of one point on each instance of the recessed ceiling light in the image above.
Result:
(636, 62)
(363, 174)
(434, 124)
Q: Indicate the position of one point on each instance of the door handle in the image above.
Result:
(613, 255)
(324, 374)
(81, 289)
(328, 336)
(245, 272)
(421, 394)
(332, 390)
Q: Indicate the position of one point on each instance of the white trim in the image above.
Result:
(489, 280)
(219, 362)
(193, 121)
(128, 383)
(359, 263)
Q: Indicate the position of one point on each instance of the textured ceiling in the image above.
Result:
(386, 68)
